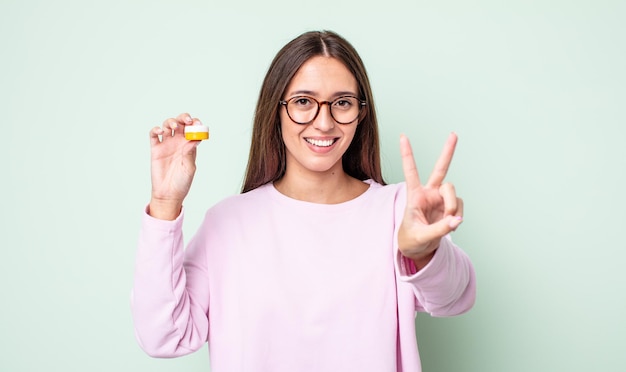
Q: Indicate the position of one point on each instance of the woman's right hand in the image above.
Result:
(173, 165)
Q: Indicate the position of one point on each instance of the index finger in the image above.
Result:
(180, 120)
(411, 176)
(443, 163)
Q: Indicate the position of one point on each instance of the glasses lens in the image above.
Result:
(345, 110)
(302, 109)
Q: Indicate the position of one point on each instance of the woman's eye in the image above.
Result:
(343, 103)
(302, 102)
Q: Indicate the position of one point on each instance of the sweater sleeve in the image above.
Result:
(169, 315)
(446, 286)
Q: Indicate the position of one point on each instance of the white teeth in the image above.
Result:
(320, 143)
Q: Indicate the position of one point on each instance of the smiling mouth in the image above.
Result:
(321, 143)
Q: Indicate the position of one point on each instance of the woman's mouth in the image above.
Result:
(320, 142)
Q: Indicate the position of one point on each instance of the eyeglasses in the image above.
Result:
(304, 109)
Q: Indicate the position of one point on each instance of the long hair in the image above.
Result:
(267, 159)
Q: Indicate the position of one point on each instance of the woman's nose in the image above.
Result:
(324, 120)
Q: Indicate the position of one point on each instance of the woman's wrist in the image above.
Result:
(421, 262)
(164, 209)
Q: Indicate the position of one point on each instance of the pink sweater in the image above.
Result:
(276, 284)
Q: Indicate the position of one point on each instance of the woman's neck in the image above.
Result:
(324, 188)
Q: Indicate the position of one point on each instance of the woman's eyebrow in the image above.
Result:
(302, 92)
(312, 93)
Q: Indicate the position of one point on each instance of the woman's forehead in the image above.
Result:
(323, 75)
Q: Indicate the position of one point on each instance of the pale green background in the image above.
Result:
(535, 90)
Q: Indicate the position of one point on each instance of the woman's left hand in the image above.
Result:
(432, 210)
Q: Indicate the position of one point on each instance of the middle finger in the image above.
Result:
(443, 163)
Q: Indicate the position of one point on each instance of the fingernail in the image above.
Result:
(455, 222)
(188, 120)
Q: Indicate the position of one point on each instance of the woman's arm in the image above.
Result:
(441, 274)
(169, 297)
(446, 286)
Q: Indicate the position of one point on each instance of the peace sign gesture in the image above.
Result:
(432, 210)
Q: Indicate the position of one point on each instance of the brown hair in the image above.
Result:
(267, 161)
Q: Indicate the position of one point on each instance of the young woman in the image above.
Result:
(317, 265)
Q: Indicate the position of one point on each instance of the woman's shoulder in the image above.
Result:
(245, 199)
(390, 188)
(389, 194)
(235, 204)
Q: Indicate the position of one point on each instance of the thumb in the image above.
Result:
(189, 151)
(454, 222)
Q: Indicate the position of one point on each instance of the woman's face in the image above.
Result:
(319, 145)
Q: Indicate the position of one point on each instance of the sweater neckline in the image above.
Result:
(280, 197)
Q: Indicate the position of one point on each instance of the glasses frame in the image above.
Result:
(319, 107)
